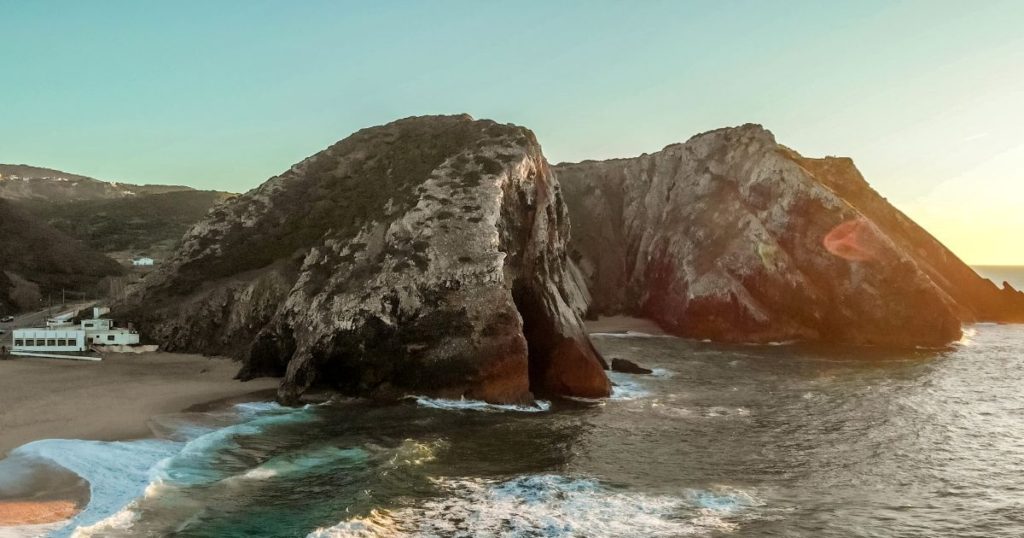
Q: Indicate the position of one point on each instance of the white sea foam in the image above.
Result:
(632, 334)
(550, 505)
(303, 462)
(117, 472)
(478, 405)
(121, 473)
(626, 387)
(31, 531)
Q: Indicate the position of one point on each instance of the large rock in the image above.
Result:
(733, 237)
(424, 256)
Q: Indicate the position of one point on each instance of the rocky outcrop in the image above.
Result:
(424, 256)
(734, 237)
(627, 366)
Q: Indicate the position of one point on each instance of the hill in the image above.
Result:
(24, 182)
(37, 260)
(145, 224)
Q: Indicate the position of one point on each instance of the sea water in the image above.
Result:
(782, 440)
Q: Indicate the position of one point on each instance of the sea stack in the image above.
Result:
(734, 237)
(425, 256)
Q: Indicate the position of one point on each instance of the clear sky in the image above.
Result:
(927, 97)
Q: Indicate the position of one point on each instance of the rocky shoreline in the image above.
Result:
(442, 255)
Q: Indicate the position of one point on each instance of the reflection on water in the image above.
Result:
(721, 441)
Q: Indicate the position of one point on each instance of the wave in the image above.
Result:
(632, 334)
(303, 462)
(478, 405)
(552, 506)
(120, 473)
(626, 387)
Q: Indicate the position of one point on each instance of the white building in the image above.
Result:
(142, 262)
(68, 337)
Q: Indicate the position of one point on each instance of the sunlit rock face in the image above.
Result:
(734, 237)
(425, 256)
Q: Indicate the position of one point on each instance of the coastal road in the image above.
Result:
(37, 319)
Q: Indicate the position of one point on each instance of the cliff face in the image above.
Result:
(733, 237)
(424, 256)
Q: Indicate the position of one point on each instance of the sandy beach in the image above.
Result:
(108, 400)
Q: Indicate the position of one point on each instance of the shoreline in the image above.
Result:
(111, 400)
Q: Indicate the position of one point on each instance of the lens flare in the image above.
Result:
(854, 240)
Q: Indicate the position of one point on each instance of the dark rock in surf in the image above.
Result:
(629, 367)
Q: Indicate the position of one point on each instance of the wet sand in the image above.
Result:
(108, 400)
(36, 512)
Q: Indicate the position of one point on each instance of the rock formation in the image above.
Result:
(425, 256)
(734, 237)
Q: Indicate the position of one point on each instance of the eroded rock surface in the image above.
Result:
(734, 237)
(424, 256)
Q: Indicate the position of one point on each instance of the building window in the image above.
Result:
(19, 342)
(110, 337)
(51, 342)
(40, 342)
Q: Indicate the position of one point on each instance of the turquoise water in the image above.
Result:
(720, 441)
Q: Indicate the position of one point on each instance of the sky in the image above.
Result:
(926, 97)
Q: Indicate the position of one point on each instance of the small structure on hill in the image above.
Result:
(142, 262)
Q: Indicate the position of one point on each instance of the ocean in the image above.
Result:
(745, 441)
(1014, 274)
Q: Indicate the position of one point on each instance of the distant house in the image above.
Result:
(140, 262)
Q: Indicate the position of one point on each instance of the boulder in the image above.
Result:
(629, 367)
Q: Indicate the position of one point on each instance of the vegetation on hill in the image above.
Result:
(37, 260)
(149, 224)
(24, 182)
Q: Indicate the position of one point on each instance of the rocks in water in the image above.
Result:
(629, 367)
(734, 237)
(426, 256)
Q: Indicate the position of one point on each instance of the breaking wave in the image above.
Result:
(121, 473)
(478, 405)
(551, 506)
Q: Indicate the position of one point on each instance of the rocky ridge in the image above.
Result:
(426, 256)
(734, 237)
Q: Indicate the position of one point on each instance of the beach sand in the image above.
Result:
(108, 400)
(622, 324)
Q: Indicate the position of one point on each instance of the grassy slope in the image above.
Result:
(145, 224)
(45, 256)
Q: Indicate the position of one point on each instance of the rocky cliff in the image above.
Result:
(734, 237)
(424, 256)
